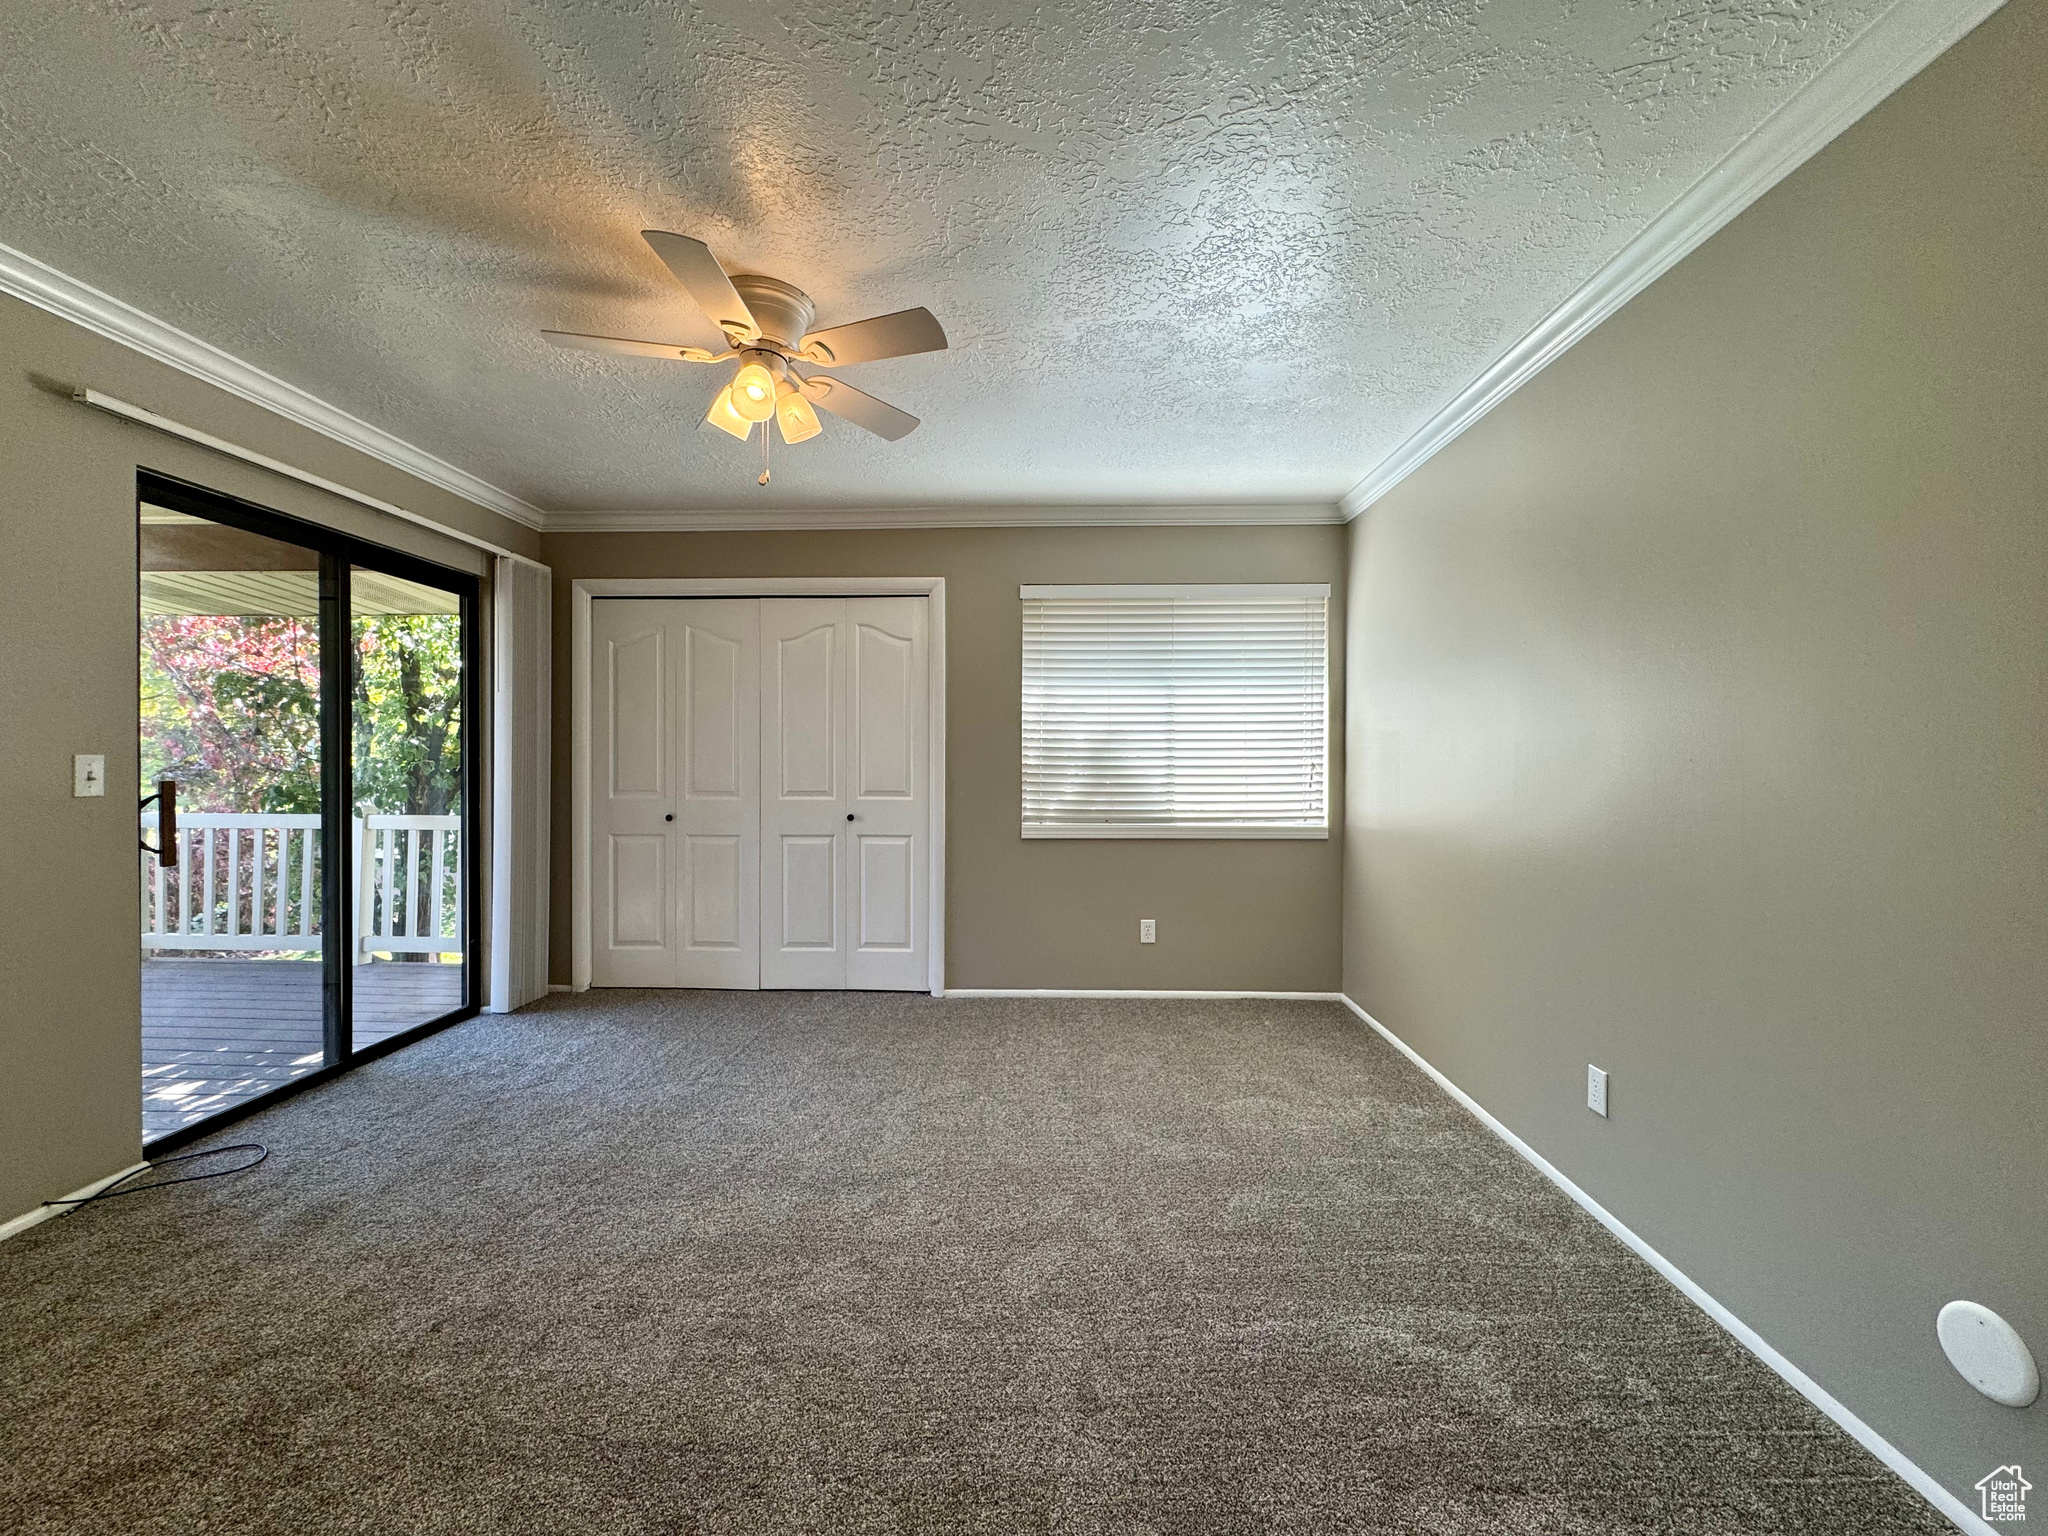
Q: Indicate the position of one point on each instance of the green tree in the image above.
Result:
(407, 708)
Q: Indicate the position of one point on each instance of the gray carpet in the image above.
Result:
(806, 1262)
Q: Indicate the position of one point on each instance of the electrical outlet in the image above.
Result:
(1596, 1089)
(1148, 930)
(88, 774)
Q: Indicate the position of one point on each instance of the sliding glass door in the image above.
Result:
(407, 764)
(307, 721)
(232, 985)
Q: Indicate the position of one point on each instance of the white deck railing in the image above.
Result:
(253, 882)
(241, 882)
(409, 884)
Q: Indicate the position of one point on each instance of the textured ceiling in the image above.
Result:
(1185, 252)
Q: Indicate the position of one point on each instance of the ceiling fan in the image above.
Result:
(767, 328)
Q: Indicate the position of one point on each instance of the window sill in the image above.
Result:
(1180, 833)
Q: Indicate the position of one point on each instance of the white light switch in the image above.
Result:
(88, 774)
(1148, 930)
(1596, 1090)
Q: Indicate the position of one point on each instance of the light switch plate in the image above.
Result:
(1596, 1090)
(88, 774)
(1148, 930)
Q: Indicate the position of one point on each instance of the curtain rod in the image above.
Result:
(165, 424)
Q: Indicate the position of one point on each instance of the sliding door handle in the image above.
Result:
(166, 802)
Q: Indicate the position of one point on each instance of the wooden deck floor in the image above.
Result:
(216, 1033)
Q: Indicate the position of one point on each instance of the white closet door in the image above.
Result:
(844, 793)
(887, 858)
(760, 794)
(803, 792)
(632, 771)
(675, 809)
(717, 830)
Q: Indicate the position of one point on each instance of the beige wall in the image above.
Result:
(1697, 720)
(1258, 916)
(69, 998)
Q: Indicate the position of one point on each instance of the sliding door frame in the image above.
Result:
(931, 588)
(338, 552)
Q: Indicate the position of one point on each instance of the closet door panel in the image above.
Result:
(804, 764)
(886, 871)
(718, 807)
(886, 900)
(719, 918)
(632, 768)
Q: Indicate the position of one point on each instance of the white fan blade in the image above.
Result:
(843, 400)
(869, 341)
(699, 272)
(619, 344)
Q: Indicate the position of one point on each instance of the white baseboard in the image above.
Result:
(43, 1213)
(1309, 997)
(1923, 1483)
(1312, 997)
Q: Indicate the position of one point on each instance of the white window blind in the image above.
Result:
(1175, 711)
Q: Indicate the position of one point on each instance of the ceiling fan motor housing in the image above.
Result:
(767, 325)
(783, 313)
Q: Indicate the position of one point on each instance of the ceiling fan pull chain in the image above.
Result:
(765, 435)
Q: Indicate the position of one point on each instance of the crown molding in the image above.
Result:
(1029, 515)
(42, 285)
(99, 401)
(1893, 49)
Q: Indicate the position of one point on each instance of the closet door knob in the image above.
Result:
(670, 817)
(849, 815)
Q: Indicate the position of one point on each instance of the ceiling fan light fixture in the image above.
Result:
(753, 387)
(793, 414)
(725, 418)
(767, 325)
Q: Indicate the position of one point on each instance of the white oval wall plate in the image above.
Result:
(1989, 1353)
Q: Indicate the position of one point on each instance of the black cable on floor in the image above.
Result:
(115, 1188)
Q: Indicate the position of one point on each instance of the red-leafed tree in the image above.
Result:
(231, 710)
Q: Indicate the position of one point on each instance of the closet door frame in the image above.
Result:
(931, 588)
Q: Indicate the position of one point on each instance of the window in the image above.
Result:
(1176, 711)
